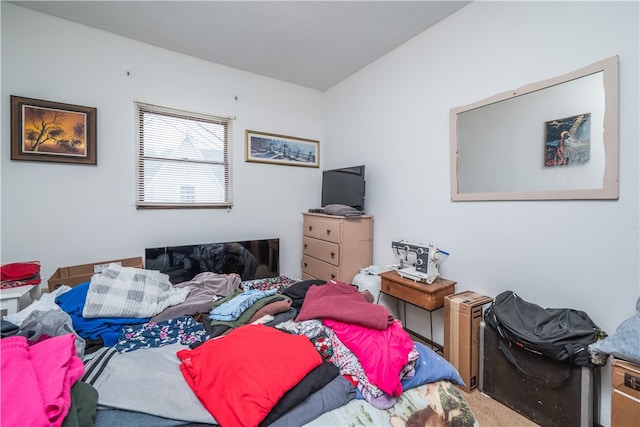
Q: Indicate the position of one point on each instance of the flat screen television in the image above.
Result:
(344, 186)
(251, 259)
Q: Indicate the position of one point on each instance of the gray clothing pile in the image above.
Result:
(342, 210)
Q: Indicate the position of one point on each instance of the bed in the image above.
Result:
(265, 351)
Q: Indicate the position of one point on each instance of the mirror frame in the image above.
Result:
(610, 187)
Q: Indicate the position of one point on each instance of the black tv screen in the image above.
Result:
(345, 186)
(251, 259)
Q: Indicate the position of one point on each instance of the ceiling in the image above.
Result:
(315, 44)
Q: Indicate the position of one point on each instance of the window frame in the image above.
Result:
(142, 108)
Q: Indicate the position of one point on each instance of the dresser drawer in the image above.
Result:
(319, 269)
(625, 396)
(322, 228)
(429, 297)
(323, 250)
(306, 276)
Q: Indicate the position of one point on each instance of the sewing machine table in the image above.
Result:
(428, 297)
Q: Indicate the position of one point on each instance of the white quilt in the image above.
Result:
(130, 292)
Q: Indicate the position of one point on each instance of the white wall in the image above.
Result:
(65, 214)
(393, 116)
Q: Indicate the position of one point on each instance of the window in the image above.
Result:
(183, 159)
(188, 194)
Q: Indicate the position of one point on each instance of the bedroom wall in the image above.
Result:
(65, 214)
(393, 116)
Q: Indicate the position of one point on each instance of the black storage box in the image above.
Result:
(574, 402)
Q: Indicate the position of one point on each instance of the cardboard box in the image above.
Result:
(76, 274)
(625, 396)
(462, 316)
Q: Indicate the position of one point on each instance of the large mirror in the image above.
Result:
(555, 139)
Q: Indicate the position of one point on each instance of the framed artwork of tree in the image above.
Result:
(47, 131)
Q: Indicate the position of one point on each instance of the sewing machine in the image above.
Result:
(418, 262)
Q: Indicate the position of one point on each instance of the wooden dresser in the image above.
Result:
(335, 247)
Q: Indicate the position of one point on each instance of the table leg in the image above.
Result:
(438, 348)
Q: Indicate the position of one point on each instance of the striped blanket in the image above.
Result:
(130, 292)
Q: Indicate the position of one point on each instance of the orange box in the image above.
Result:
(462, 316)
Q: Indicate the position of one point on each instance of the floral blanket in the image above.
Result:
(437, 404)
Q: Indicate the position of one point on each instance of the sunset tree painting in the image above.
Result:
(54, 131)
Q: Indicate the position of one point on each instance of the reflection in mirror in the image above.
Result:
(556, 139)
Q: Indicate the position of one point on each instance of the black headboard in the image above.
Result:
(252, 259)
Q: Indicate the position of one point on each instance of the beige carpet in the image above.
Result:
(488, 411)
(491, 413)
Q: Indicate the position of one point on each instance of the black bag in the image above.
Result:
(561, 334)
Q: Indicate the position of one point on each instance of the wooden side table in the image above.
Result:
(425, 296)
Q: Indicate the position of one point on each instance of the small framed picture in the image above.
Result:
(568, 141)
(264, 147)
(47, 131)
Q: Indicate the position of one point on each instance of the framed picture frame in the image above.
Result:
(47, 131)
(568, 141)
(263, 147)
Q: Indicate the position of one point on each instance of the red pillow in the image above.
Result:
(241, 376)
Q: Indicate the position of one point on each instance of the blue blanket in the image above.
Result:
(107, 328)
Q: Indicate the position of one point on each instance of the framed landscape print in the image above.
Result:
(47, 131)
(281, 149)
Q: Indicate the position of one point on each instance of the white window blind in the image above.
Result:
(183, 159)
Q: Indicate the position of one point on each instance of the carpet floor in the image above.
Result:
(491, 413)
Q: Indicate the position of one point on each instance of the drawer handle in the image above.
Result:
(631, 381)
(333, 276)
(333, 255)
(305, 246)
(310, 228)
(328, 232)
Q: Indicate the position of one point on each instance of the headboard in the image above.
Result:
(252, 259)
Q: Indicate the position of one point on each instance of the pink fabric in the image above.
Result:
(36, 380)
(382, 354)
(342, 302)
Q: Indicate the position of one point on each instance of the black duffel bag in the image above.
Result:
(561, 334)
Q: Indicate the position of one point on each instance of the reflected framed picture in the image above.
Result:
(262, 147)
(47, 131)
(568, 141)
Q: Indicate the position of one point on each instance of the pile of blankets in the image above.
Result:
(216, 349)
(127, 296)
(377, 346)
(130, 292)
